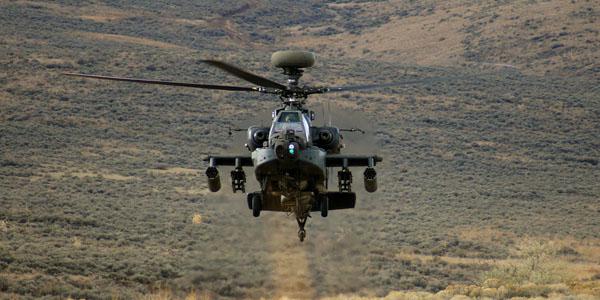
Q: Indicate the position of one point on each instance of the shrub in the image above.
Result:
(536, 272)
(537, 265)
(3, 284)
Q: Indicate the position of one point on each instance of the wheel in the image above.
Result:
(324, 206)
(256, 204)
(249, 199)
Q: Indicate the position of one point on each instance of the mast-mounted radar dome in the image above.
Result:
(293, 59)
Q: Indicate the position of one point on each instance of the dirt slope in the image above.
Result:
(560, 37)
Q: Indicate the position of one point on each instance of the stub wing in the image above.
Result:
(238, 177)
(340, 160)
(232, 160)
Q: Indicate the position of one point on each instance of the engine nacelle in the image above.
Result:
(327, 138)
(256, 137)
(214, 180)
(370, 180)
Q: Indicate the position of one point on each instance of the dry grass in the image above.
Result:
(118, 38)
(3, 226)
(44, 59)
(167, 294)
(535, 267)
(413, 40)
(77, 242)
(538, 263)
(80, 174)
(447, 259)
(512, 157)
(553, 17)
(196, 191)
(20, 41)
(461, 293)
(541, 270)
(486, 144)
(165, 229)
(194, 22)
(291, 271)
(118, 147)
(175, 171)
(197, 218)
(438, 38)
(583, 266)
(93, 12)
(30, 81)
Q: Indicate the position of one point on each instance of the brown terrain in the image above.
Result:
(488, 189)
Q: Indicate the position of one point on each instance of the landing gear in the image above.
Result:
(256, 202)
(301, 231)
(324, 205)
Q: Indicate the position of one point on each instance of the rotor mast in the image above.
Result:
(292, 63)
(293, 95)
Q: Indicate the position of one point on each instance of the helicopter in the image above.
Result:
(291, 158)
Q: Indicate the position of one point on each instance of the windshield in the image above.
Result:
(289, 117)
(291, 120)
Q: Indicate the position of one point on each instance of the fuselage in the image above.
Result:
(289, 167)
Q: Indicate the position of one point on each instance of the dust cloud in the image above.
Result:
(332, 260)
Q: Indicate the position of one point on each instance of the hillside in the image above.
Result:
(534, 37)
(487, 174)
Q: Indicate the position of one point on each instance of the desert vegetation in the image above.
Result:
(489, 185)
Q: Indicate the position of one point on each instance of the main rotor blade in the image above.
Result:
(368, 86)
(253, 78)
(171, 83)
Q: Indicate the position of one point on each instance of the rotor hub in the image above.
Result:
(291, 94)
(292, 63)
(294, 75)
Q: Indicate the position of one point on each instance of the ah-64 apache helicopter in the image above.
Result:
(290, 158)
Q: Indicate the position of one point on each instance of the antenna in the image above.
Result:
(236, 129)
(323, 113)
(329, 111)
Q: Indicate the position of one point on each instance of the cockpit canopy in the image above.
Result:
(291, 120)
(289, 117)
